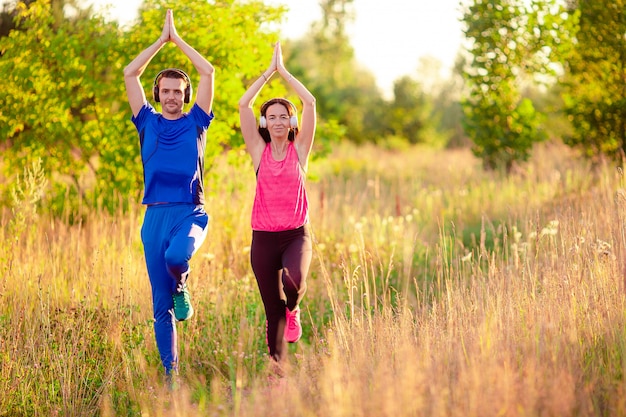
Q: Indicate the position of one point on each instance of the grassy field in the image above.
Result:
(436, 289)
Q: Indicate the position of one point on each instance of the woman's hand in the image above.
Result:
(273, 65)
(278, 53)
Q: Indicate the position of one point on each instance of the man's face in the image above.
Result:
(172, 95)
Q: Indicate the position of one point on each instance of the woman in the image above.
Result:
(281, 248)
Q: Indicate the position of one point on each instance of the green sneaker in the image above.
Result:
(182, 304)
(172, 382)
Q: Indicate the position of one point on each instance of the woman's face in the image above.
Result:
(278, 119)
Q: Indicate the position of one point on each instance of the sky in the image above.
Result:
(389, 37)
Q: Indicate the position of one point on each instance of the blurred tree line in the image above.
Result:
(532, 70)
(64, 101)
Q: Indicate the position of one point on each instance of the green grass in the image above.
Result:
(436, 289)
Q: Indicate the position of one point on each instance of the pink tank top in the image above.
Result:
(280, 202)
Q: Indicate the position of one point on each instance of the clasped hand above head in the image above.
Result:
(277, 64)
(169, 33)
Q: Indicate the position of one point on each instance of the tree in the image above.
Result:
(447, 103)
(64, 99)
(10, 11)
(61, 99)
(234, 38)
(346, 93)
(431, 105)
(513, 42)
(410, 114)
(595, 83)
(7, 17)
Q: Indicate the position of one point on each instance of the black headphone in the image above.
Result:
(155, 88)
(293, 120)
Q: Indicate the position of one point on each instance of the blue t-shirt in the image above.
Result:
(172, 154)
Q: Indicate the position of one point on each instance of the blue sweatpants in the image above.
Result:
(171, 234)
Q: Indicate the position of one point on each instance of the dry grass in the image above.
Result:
(436, 290)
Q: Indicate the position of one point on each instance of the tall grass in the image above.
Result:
(436, 289)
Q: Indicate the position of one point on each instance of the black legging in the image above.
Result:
(280, 258)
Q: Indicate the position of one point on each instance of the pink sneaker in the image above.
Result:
(293, 328)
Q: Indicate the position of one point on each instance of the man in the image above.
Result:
(172, 153)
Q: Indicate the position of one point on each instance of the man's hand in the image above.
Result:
(166, 33)
(173, 34)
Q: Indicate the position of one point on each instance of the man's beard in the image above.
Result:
(172, 108)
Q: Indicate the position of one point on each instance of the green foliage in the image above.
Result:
(502, 138)
(513, 43)
(65, 101)
(324, 59)
(233, 36)
(62, 99)
(394, 143)
(410, 115)
(327, 133)
(57, 7)
(446, 97)
(595, 99)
